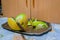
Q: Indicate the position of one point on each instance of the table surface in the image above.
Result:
(7, 35)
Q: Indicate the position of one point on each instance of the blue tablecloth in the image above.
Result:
(7, 35)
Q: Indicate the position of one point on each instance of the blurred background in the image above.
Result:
(0, 8)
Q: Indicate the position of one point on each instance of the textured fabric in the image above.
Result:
(7, 35)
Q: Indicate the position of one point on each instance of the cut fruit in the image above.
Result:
(41, 25)
(13, 25)
(22, 20)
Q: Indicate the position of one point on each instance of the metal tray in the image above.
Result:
(6, 26)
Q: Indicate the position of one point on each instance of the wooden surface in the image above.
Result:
(11, 8)
(47, 10)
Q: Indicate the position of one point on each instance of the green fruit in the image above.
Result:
(41, 25)
(35, 23)
(29, 22)
(21, 18)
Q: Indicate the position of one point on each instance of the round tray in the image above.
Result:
(6, 26)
